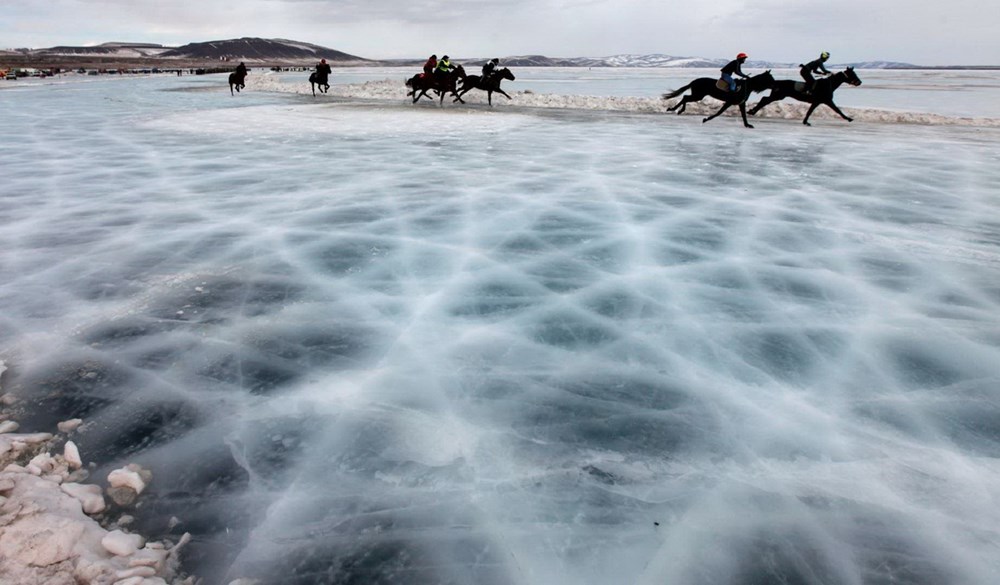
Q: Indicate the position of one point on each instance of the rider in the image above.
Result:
(814, 67)
(489, 68)
(430, 65)
(733, 68)
(241, 70)
(323, 69)
(444, 66)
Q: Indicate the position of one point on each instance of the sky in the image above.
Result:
(959, 32)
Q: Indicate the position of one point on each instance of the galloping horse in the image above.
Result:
(822, 93)
(706, 86)
(489, 86)
(441, 82)
(319, 79)
(236, 81)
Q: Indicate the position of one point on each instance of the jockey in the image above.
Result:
(489, 68)
(430, 65)
(733, 68)
(323, 69)
(811, 67)
(241, 70)
(444, 66)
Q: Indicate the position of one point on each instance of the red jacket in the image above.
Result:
(430, 65)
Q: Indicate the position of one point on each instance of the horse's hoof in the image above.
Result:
(807, 123)
(704, 120)
(850, 119)
(749, 125)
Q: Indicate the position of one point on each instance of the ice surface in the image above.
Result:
(359, 341)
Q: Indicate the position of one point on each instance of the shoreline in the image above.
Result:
(58, 526)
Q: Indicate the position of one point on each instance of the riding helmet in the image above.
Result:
(824, 55)
(741, 56)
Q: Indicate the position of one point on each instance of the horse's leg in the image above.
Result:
(502, 92)
(834, 107)
(724, 107)
(313, 88)
(764, 102)
(684, 102)
(809, 113)
(743, 112)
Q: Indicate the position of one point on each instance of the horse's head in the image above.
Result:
(460, 71)
(762, 81)
(506, 74)
(852, 77)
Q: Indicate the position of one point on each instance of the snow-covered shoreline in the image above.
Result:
(56, 528)
(395, 91)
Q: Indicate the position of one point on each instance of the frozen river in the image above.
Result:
(366, 342)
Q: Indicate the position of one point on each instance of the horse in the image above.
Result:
(822, 93)
(707, 86)
(236, 81)
(321, 80)
(489, 86)
(442, 83)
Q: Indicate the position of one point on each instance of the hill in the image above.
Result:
(257, 49)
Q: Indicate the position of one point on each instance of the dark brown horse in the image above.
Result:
(489, 86)
(821, 94)
(442, 83)
(707, 86)
(236, 80)
(321, 80)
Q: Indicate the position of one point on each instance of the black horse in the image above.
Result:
(822, 93)
(489, 86)
(441, 83)
(236, 82)
(707, 86)
(322, 80)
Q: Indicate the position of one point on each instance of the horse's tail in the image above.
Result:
(677, 92)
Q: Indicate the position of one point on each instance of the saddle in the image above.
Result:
(723, 85)
(800, 86)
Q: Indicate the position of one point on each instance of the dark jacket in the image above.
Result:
(815, 67)
(733, 68)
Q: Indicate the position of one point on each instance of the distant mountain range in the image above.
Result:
(245, 49)
(284, 51)
(660, 60)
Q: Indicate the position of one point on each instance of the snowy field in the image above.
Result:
(362, 341)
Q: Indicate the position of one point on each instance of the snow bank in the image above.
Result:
(395, 90)
(52, 526)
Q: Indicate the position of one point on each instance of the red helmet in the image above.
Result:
(741, 56)
(322, 60)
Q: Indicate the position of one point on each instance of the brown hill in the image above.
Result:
(257, 49)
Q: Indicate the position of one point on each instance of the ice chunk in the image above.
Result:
(121, 544)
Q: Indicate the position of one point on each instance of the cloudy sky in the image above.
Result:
(913, 31)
